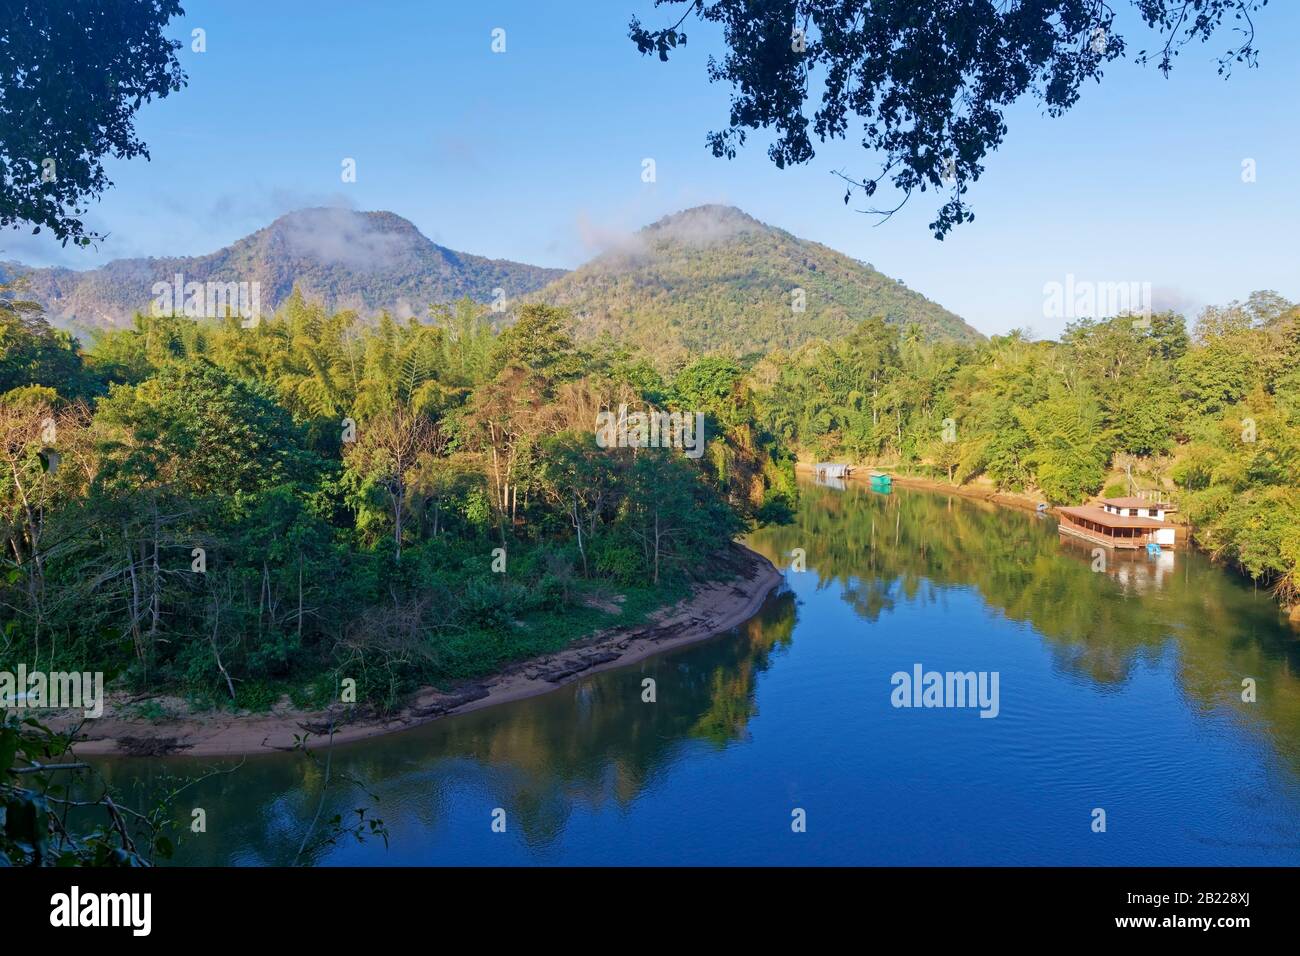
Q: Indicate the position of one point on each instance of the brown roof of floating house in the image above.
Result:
(1108, 520)
(1137, 503)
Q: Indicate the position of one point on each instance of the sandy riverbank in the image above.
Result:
(710, 609)
(1004, 498)
(978, 491)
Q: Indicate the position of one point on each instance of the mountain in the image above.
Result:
(367, 261)
(714, 278)
(709, 278)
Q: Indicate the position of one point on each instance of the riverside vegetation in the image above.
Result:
(180, 445)
(234, 514)
(1210, 417)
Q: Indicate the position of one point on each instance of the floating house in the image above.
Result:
(1128, 523)
(881, 482)
(1136, 508)
(826, 469)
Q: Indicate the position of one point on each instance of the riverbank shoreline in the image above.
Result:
(1185, 539)
(710, 609)
(1003, 498)
(977, 492)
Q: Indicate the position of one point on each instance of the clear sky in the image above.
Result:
(535, 154)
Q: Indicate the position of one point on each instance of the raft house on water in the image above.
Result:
(832, 474)
(826, 469)
(1127, 523)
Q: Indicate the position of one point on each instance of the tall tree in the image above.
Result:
(72, 76)
(32, 353)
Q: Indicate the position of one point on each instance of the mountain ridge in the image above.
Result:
(707, 278)
(365, 261)
(657, 289)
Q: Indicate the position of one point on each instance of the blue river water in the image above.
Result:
(1120, 700)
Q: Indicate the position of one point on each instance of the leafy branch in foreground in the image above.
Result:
(925, 83)
(57, 811)
(336, 829)
(73, 76)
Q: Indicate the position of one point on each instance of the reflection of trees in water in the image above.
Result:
(909, 545)
(594, 742)
(241, 830)
(730, 695)
(609, 746)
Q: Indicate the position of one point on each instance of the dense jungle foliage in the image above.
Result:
(238, 512)
(1210, 417)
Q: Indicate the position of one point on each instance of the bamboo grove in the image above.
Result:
(235, 513)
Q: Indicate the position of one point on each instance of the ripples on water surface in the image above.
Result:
(1118, 690)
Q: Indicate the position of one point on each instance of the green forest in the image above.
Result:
(236, 513)
(1209, 416)
(713, 279)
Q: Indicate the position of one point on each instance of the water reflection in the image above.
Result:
(592, 773)
(595, 743)
(1136, 572)
(909, 546)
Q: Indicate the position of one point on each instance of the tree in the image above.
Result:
(579, 478)
(531, 360)
(205, 430)
(438, 485)
(1228, 364)
(1071, 449)
(467, 341)
(385, 457)
(928, 80)
(539, 341)
(32, 353)
(36, 435)
(73, 76)
(946, 455)
(669, 510)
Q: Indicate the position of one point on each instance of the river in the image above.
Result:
(1120, 692)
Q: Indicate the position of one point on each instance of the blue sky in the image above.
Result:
(535, 154)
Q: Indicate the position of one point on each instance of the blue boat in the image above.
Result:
(881, 482)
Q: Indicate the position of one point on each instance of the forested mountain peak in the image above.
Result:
(342, 258)
(708, 278)
(705, 224)
(714, 278)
